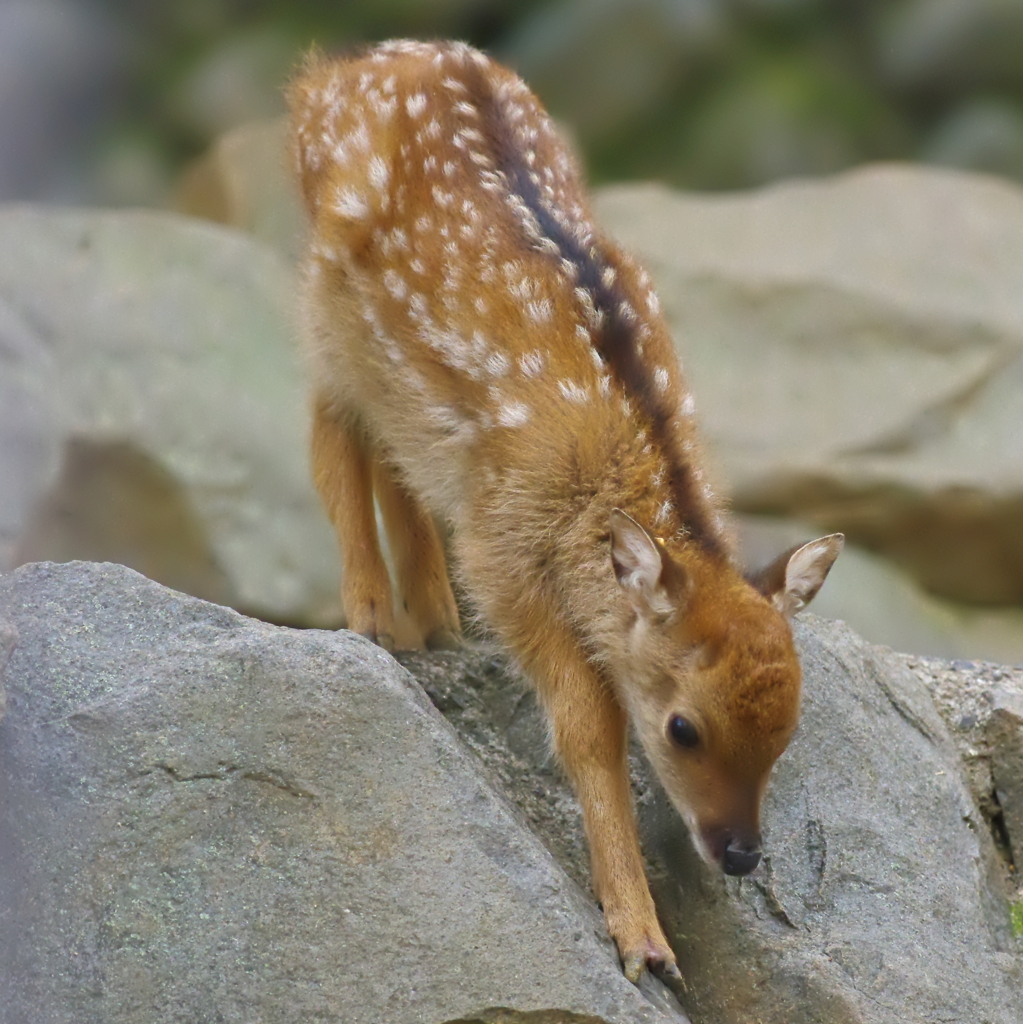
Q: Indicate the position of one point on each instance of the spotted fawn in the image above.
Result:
(481, 353)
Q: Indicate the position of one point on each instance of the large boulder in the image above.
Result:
(153, 411)
(982, 705)
(244, 180)
(882, 883)
(855, 345)
(884, 604)
(205, 817)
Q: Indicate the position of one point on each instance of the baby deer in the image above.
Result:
(481, 352)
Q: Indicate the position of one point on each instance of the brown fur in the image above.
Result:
(480, 352)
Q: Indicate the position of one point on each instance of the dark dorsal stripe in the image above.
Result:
(617, 339)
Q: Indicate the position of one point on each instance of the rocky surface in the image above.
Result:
(245, 180)
(982, 705)
(882, 872)
(152, 408)
(209, 818)
(205, 814)
(883, 604)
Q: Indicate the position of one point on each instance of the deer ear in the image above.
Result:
(792, 580)
(644, 570)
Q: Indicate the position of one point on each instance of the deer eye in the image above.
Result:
(683, 732)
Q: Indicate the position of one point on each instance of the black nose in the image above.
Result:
(737, 861)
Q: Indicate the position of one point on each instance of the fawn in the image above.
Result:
(480, 352)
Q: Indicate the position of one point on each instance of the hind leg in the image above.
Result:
(419, 561)
(343, 475)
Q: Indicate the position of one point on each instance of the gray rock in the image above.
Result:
(244, 180)
(884, 605)
(982, 705)
(235, 788)
(209, 818)
(1005, 734)
(881, 883)
(801, 313)
(146, 365)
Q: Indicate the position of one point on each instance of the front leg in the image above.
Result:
(342, 474)
(590, 736)
(419, 562)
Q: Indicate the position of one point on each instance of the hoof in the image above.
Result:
(443, 639)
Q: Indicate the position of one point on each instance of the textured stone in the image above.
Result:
(1005, 735)
(884, 605)
(146, 365)
(209, 818)
(881, 880)
(243, 180)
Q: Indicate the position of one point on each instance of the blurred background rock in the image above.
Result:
(106, 100)
(874, 320)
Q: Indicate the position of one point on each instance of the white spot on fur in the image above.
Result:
(442, 198)
(513, 414)
(416, 104)
(359, 138)
(379, 173)
(688, 406)
(573, 392)
(661, 379)
(496, 364)
(350, 204)
(540, 311)
(532, 363)
(395, 284)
